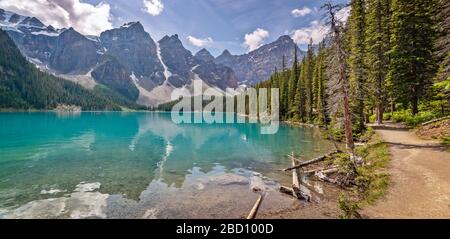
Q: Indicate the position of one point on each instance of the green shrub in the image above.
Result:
(445, 141)
(400, 116)
(406, 117)
(349, 207)
(422, 117)
(386, 117)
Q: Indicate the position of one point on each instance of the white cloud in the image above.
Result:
(86, 18)
(316, 31)
(200, 42)
(301, 12)
(153, 7)
(343, 14)
(255, 39)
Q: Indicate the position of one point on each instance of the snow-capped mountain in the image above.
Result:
(128, 61)
(259, 65)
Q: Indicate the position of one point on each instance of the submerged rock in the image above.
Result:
(87, 187)
(229, 179)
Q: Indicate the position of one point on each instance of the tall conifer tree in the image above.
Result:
(412, 64)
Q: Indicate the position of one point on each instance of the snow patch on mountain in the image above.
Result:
(43, 32)
(167, 73)
(7, 27)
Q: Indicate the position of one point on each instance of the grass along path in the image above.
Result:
(419, 177)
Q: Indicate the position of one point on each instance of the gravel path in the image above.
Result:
(420, 177)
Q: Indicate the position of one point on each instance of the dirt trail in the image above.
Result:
(420, 177)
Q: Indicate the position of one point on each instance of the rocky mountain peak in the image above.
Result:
(32, 21)
(173, 41)
(73, 53)
(225, 53)
(259, 64)
(131, 31)
(282, 44)
(226, 59)
(134, 48)
(15, 18)
(204, 55)
(134, 26)
(51, 28)
(178, 59)
(72, 35)
(285, 39)
(2, 15)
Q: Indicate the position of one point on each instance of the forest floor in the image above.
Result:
(419, 177)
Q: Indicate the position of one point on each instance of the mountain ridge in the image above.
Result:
(258, 65)
(151, 65)
(23, 86)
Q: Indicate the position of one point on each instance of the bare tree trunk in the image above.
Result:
(348, 124)
(340, 57)
(380, 113)
(414, 104)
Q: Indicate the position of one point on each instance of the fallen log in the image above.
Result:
(254, 211)
(288, 191)
(313, 192)
(312, 161)
(295, 178)
(296, 183)
(322, 176)
(330, 170)
(323, 170)
(295, 192)
(435, 120)
(292, 157)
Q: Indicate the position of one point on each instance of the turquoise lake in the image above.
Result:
(141, 165)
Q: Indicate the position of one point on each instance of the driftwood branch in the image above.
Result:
(296, 182)
(295, 178)
(323, 170)
(254, 211)
(288, 191)
(435, 120)
(312, 161)
(295, 191)
(322, 176)
(313, 192)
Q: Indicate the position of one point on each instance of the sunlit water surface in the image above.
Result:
(142, 165)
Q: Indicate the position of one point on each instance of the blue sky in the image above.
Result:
(212, 24)
(226, 22)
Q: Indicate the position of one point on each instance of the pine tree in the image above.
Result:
(412, 65)
(320, 86)
(378, 34)
(309, 72)
(357, 25)
(284, 93)
(442, 53)
(294, 77)
(299, 97)
(301, 93)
